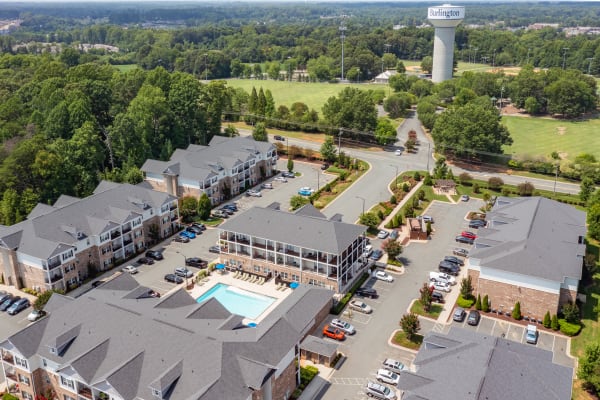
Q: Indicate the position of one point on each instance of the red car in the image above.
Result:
(469, 235)
(333, 333)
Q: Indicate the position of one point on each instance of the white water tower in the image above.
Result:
(445, 19)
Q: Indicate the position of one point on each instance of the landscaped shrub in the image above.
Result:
(485, 304)
(568, 328)
(570, 312)
(478, 303)
(307, 374)
(495, 183)
(516, 313)
(547, 320)
(464, 303)
(417, 176)
(393, 200)
(475, 188)
(336, 309)
(406, 187)
(554, 323)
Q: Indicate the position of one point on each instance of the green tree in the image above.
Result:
(353, 109)
(259, 133)
(466, 288)
(532, 106)
(204, 206)
(385, 133)
(42, 299)
(410, 325)
(369, 219)
(571, 313)
(397, 104)
(400, 68)
(440, 170)
(495, 183)
(188, 207)
(465, 178)
(587, 188)
(593, 220)
(589, 367)
(427, 64)
(428, 228)
(231, 131)
(392, 247)
(570, 97)
(9, 207)
(516, 312)
(290, 164)
(485, 305)
(554, 323)
(426, 297)
(478, 305)
(298, 201)
(328, 150)
(547, 320)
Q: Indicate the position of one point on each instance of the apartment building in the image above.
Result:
(118, 343)
(57, 246)
(303, 246)
(531, 251)
(224, 168)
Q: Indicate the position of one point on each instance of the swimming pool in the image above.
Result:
(238, 301)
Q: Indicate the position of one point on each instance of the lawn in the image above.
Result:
(126, 67)
(401, 340)
(314, 95)
(434, 311)
(568, 138)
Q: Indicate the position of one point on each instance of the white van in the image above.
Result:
(531, 335)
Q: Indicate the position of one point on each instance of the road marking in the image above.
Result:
(349, 381)
(438, 328)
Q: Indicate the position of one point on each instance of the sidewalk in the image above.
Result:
(401, 204)
(14, 291)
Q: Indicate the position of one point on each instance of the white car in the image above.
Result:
(256, 193)
(343, 326)
(398, 152)
(383, 276)
(368, 251)
(359, 306)
(131, 269)
(384, 375)
(442, 277)
(382, 234)
(394, 365)
(35, 315)
(280, 179)
(443, 287)
(267, 185)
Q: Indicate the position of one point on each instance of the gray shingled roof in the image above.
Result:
(156, 336)
(197, 163)
(533, 236)
(49, 232)
(300, 230)
(318, 345)
(466, 365)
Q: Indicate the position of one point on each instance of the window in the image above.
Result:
(266, 270)
(67, 383)
(44, 362)
(72, 281)
(104, 237)
(65, 397)
(21, 362)
(256, 268)
(295, 278)
(26, 395)
(283, 275)
(24, 379)
(69, 268)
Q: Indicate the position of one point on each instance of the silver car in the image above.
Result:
(343, 326)
(379, 391)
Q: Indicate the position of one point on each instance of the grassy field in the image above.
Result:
(568, 138)
(125, 67)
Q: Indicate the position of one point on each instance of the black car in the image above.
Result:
(8, 302)
(473, 318)
(194, 229)
(200, 226)
(154, 254)
(324, 166)
(288, 174)
(279, 137)
(454, 260)
(196, 262)
(146, 260)
(437, 297)
(477, 223)
(366, 292)
(462, 239)
(173, 278)
(95, 284)
(231, 207)
(215, 249)
(449, 268)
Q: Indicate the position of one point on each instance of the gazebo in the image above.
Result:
(444, 186)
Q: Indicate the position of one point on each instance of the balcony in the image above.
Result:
(127, 241)
(310, 256)
(259, 245)
(8, 358)
(240, 239)
(12, 375)
(292, 252)
(259, 256)
(54, 278)
(116, 247)
(126, 228)
(53, 264)
(115, 234)
(86, 392)
(172, 206)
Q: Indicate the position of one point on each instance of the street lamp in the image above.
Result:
(206, 67)
(318, 179)
(342, 36)
(363, 204)
(565, 49)
(395, 176)
(184, 261)
(501, 94)
(590, 65)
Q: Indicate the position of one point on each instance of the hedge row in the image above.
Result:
(339, 306)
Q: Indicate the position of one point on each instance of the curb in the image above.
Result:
(391, 343)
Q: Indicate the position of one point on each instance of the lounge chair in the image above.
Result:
(252, 279)
(246, 276)
(283, 287)
(261, 281)
(236, 274)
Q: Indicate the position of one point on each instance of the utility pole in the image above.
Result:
(428, 155)
(590, 65)
(340, 141)
(395, 176)
(494, 60)
(555, 179)
(565, 49)
(342, 36)
(501, 95)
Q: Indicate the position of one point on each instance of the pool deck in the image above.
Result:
(267, 289)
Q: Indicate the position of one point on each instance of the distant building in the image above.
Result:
(464, 364)
(224, 168)
(539, 25)
(58, 245)
(531, 251)
(385, 76)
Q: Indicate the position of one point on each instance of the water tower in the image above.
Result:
(445, 19)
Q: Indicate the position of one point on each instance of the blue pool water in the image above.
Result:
(238, 301)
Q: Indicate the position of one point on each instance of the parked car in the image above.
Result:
(215, 249)
(376, 255)
(305, 191)
(441, 286)
(394, 234)
(173, 278)
(454, 260)
(448, 268)
(366, 292)
(459, 314)
(382, 234)
(477, 223)
(189, 235)
(382, 276)
(18, 306)
(146, 260)
(34, 315)
(333, 333)
(154, 254)
(531, 334)
(202, 227)
(379, 391)
(464, 197)
(462, 239)
(394, 365)
(256, 193)
(279, 137)
(473, 318)
(324, 166)
(437, 297)
(220, 214)
(359, 306)
(368, 251)
(287, 174)
(196, 262)
(468, 234)
(131, 269)
(181, 239)
(267, 185)
(398, 152)
(193, 229)
(344, 326)
(387, 376)
(442, 277)
(8, 302)
(459, 251)
(280, 179)
(183, 272)
(95, 284)
(426, 218)
(4, 297)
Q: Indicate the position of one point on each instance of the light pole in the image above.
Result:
(342, 36)
(475, 56)
(395, 176)
(565, 49)
(494, 60)
(555, 179)
(590, 65)
(206, 67)
(340, 141)
(363, 204)
(318, 179)
(184, 261)
(501, 94)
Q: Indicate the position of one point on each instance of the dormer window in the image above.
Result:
(157, 393)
